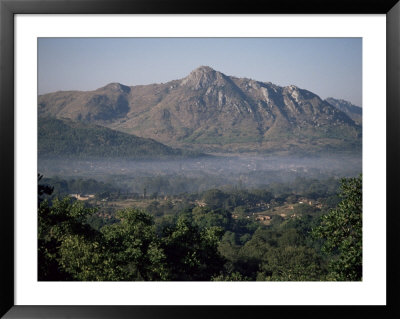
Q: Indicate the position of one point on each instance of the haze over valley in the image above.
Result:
(208, 129)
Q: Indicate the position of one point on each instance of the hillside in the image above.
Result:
(353, 111)
(68, 139)
(210, 111)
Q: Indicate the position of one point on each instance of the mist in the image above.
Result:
(199, 174)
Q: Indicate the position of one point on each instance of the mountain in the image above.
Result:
(105, 104)
(212, 112)
(68, 139)
(353, 111)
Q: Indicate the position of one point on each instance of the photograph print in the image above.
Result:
(199, 159)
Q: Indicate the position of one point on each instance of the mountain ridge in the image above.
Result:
(353, 111)
(209, 111)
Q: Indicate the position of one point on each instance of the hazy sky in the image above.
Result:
(329, 67)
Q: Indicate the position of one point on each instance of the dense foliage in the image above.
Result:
(218, 238)
(342, 231)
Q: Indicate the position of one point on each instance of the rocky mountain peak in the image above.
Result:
(292, 87)
(204, 76)
(340, 102)
(115, 88)
(204, 69)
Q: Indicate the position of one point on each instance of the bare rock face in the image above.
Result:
(353, 111)
(115, 88)
(204, 77)
(210, 111)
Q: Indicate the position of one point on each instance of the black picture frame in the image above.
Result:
(8, 8)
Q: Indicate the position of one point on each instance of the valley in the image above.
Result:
(205, 178)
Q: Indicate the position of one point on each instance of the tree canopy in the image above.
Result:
(220, 241)
(341, 229)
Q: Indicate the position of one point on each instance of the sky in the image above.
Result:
(328, 67)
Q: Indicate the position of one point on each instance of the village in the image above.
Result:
(261, 211)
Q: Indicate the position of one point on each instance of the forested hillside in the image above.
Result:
(68, 139)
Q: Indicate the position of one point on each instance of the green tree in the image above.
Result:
(204, 217)
(133, 249)
(57, 223)
(214, 198)
(192, 253)
(341, 229)
(43, 189)
(70, 249)
(290, 263)
(83, 259)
